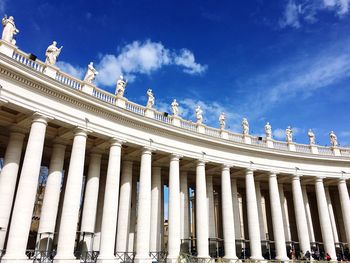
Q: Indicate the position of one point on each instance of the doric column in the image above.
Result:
(144, 208)
(345, 204)
(236, 212)
(227, 214)
(285, 215)
(124, 207)
(201, 212)
(310, 225)
(52, 196)
(72, 198)
(132, 234)
(300, 216)
(26, 191)
(331, 215)
(277, 218)
(8, 178)
(184, 207)
(174, 209)
(261, 212)
(156, 206)
(325, 223)
(253, 217)
(211, 213)
(91, 198)
(110, 205)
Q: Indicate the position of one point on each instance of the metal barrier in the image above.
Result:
(125, 257)
(42, 256)
(89, 256)
(159, 256)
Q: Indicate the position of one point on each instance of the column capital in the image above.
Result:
(319, 179)
(249, 170)
(200, 162)
(59, 145)
(225, 166)
(272, 174)
(81, 131)
(41, 117)
(147, 150)
(116, 142)
(175, 156)
(342, 180)
(95, 154)
(19, 130)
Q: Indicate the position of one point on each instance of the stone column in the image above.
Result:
(201, 212)
(132, 234)
(156, 206)
(184, 208)
(345, 204)
(211, 212)
(8, 178)
(261, 213)
(51, 200)
(285, 215)
(110, 205)
(277, 218)
(144, 208)
(325, 223)
(236, 212)
(227, 215)
(174, 209)
(253, 217)
(308, 214)
(26, 191)
(91, 198)
(331, 215)
(124, 207)
(72, 199)
(300, 216)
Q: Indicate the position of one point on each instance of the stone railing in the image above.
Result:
(39, 66)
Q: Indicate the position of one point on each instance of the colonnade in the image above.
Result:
(109, 209)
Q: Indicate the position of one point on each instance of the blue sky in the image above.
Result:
(286, 62)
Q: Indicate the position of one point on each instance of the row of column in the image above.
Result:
(149, 216)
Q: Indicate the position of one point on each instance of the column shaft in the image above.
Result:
(331, 215)
(26, 191)
(345, 204)
(236, 212)
(308, 214)
(132, 233)
(51, 200)
(261, 214)
(253, 217)
(156, 206)
(184, 207)
(227, 214)
(8, 179)
(201, 212)
(284, 206)
(72, 199)
(124, 207)
(211, 211)
(174, 208)
(110, 205)
(277, 218)
(325, 223)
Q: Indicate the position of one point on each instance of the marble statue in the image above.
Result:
(289, 134)
(268, 130)
(121, 84)
(150, 101)
(52, 52)
(222, 120)
(9, 30)
(312, 138)
(333, 138)
(91, 73)
(245, 126)
(199, 115)
(175, 107)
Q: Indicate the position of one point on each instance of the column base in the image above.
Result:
(258, 258)
(70, 260)
(8, 260)
(171, 260)
(230, 259)
(109, 260)
(142, 260)
(282, 258)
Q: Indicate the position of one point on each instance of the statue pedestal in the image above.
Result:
(200, 128)
(291, 146)
(224, 134)
(269, 143)
(120, 102)
(336, 151)
(87, 88)
(50, 71)
(247, 139)
(7, 48)
(314, 149)
(149, 112)
(176, 121)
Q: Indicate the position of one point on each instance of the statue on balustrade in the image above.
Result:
(175, 107)
(9, 30)
(121, 84)
(52, 52)
(150, 101)
(268, 131)
(245, 126)
(333, 138)
(222, 121)
(312, 138)
(289, 134)
(199, 115)
(90, 74)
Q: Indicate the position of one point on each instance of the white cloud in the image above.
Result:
(280, 134)
(68, 68)
(187, 60)
(298, 11)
